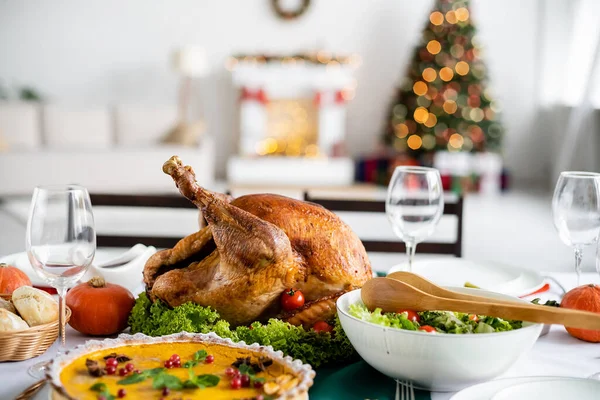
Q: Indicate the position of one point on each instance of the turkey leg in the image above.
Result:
(241, 238)
(253, 263)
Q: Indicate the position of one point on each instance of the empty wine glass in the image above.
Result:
(61, 243)
(576, 211)
(414, 205)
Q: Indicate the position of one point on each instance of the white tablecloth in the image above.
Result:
(556, 354)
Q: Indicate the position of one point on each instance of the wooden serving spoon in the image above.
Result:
(427, 286)
(392, 295)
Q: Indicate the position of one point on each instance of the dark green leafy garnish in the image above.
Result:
(246, 369)
(201, 381)
(249, 370)
(550, 303)
(200, 355)
(261, 364)
(164, 380)
(99, 387)
(136, 378)
(189, 364)
(102, 390)
(197, 358)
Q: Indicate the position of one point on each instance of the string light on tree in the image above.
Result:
(444, 102)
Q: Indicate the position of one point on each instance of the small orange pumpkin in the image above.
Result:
(585, 298)
(12, 278)
(99, 308)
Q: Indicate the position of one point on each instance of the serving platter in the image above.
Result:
(488, 275)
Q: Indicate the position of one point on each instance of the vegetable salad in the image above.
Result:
(435, 321)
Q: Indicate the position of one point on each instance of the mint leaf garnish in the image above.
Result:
(189, 364)
(200, 355)
(153, 372)
(99, 387)
(164, 380)
(246, 369)
(137, 378)
(207, 380)
(134, 378)
(200, 381)
(102, 389)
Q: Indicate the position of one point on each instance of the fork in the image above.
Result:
(31, 390)
(404, 391)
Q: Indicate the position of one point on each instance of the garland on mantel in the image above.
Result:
(319, 58)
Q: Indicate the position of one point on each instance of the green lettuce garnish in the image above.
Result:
(316, 349)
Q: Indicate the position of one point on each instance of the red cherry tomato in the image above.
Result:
(428, 329)
(322, 326)
(411, 315)
(292, 299)
(473, 317)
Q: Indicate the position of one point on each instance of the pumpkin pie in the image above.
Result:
(179, 366)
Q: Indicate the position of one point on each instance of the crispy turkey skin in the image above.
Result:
(254, 248)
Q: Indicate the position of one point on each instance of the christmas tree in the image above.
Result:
(443, 103)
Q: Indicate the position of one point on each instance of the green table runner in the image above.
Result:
(356, 381)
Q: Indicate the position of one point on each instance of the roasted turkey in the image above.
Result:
(254, 248)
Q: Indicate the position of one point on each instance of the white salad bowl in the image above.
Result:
(436, 362)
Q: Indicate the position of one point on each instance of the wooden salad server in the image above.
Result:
(427, 286)
(392, 295)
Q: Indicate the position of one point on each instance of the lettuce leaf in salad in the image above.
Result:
(392, 320)
(447, 321)
(442, 321)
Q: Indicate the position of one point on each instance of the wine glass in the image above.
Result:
(414, 205)
(576, 211)
(61, 243)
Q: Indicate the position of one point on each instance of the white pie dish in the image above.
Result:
(436, 362)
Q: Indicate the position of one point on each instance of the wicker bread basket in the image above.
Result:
(32, 342)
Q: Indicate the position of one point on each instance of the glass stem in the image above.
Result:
(62, 292)
(410, 253)
(578, 257)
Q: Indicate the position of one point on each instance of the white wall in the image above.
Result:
(108, 51)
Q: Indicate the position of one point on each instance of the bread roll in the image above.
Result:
(10, 322)
(35, 306)
(7, 305)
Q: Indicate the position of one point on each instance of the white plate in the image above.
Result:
(486, 390)
(488, 275)
(558, 389)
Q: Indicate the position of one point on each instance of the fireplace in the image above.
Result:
(292, 115)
